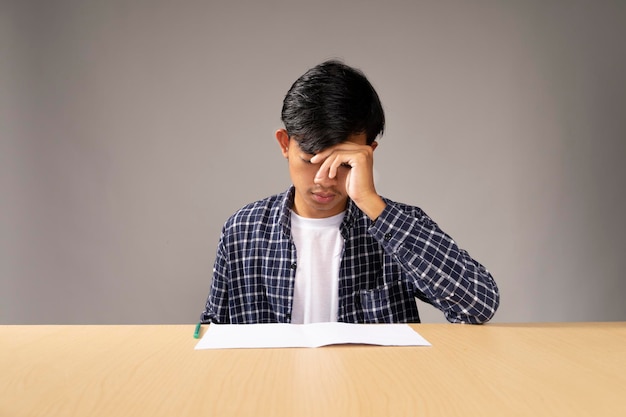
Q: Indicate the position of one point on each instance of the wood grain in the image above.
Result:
(549, 369)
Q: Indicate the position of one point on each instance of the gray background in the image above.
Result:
(130, 131)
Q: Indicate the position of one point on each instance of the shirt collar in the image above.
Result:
(287, 203)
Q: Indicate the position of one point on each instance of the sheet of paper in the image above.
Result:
(281, 335)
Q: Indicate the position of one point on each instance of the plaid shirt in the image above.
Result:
(385, 265)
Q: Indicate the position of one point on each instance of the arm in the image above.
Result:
(445, 275)
(440, 272)
(216, 308)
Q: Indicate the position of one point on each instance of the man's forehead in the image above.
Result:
(358, 138)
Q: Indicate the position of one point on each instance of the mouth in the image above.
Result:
(323, 197)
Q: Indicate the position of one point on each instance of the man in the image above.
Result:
(330, 248)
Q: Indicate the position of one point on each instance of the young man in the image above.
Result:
(330, 248)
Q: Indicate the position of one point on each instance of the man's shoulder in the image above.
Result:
(258, 211)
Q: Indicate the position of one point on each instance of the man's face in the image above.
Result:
(315, 198)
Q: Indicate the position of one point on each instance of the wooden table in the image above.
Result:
(557, 369)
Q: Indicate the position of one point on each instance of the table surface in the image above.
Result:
(549, 369)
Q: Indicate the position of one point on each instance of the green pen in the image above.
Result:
(196, 333)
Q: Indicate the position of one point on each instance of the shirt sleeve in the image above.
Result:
(216, 307)
(440, 272)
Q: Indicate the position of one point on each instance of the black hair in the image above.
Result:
(330, 102)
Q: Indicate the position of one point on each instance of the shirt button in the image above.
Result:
(387, 237)
(294, 265)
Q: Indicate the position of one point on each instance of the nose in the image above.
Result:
(325, 181)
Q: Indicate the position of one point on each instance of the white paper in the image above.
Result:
(283, 335)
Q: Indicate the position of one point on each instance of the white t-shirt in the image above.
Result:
(319, 246)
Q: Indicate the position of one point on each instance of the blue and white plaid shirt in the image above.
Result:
(385, 265)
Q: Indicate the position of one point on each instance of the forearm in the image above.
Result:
(216, 307)
(447, 276)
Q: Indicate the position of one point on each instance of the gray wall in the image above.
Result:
(130, 130)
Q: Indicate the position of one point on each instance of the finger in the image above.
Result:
(319, 157)
(337, 161)
(327, 169)
(325, 153)
(333, 164)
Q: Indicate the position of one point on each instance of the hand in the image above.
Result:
(359, 160)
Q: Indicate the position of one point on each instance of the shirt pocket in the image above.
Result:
(382, 304)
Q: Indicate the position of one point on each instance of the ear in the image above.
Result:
(283, 141)
(374, 145)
